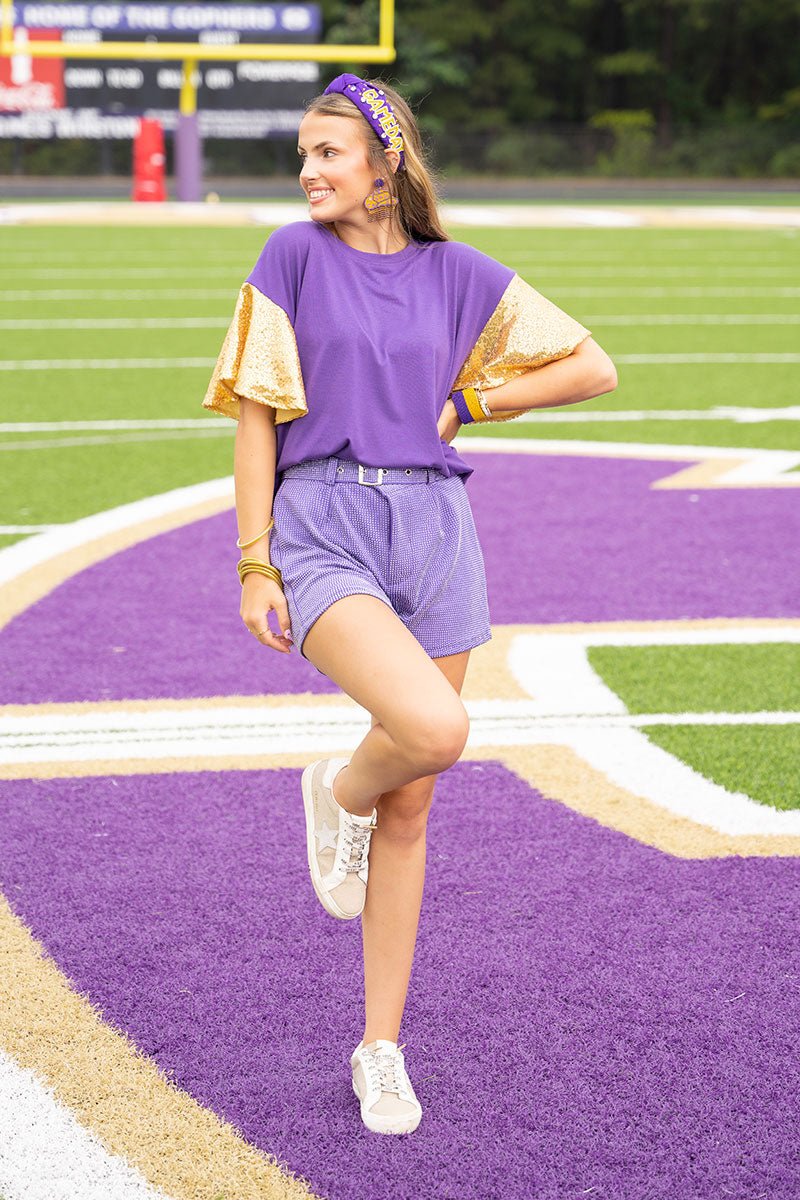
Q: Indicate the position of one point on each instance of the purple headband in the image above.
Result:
(375, 107)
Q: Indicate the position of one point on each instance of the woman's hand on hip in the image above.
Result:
(449, 423)
(259, 596)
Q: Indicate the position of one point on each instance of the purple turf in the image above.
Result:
(586, 1015)
(162, 620)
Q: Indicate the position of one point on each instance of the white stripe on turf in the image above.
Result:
(102, 364)
(113, 364)
(612, 742)
(634, 319)
(45, 1153)
(732, 412)
(116, 323)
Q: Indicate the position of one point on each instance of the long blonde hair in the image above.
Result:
(415, 187)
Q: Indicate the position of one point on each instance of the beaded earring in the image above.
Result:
(380, 201)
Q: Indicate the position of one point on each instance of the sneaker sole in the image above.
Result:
(325, 900)
(379, 1124)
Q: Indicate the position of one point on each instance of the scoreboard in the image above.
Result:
(66, 98)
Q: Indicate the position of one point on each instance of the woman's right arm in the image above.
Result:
(254, 460)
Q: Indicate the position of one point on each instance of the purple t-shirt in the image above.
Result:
(381, 339)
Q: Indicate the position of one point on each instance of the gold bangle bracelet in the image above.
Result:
(260, 571)
(242, 544)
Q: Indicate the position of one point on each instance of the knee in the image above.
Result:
(438, 740)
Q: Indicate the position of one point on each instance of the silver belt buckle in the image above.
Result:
(371, 482)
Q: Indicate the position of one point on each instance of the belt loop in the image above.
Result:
(330, 469)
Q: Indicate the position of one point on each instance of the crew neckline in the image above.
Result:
(406, 252)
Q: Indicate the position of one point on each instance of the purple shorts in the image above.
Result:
(410, 540)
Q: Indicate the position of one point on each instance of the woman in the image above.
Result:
(384, 336)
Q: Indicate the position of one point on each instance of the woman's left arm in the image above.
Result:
(586, 372)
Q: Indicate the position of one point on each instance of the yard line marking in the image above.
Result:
(100, 364)
(668, 292)
(116, 323)
(649, 270)
(152, 294)
(634, 319)
(557, 267)
(126, 272)
(121, 294)
(743, 416)
(739, 413)
(111, 364)
(120, 423)
(114, 439)
(29, 528)
(48, 1152)
(648, 359)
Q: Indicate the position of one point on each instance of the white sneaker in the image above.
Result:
(337, 842)
(380, 1080)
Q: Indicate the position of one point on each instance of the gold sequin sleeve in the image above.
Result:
(525, 331)
(259, 360)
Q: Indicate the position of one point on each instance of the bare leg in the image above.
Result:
(419, 728)
(394, 892)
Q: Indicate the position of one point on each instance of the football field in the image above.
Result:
(616, 989)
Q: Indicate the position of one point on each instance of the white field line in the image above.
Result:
(33, 551)
(655, 218)
(632, 319)
(748, 466)
(633, 291)
(555, 670)
(150, 295)
(138, 272)
(611, 742)
(115, 323)
(28, 528)
(137, 364)
(631, 761)
(110, 424)
(102, 364)
(566, 256)
(682, 359)
(618, 268)
(138, 295)
(48, 1155)
(740, 414)
(117, 438)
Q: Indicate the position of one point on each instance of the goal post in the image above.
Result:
(187, 136)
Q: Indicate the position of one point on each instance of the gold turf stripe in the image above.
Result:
(26, 588)
(560, 774)
(119, 1093)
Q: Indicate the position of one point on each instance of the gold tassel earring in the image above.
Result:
(380, 202)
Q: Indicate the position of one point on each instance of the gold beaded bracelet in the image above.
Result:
(247, 565)
(242, 544)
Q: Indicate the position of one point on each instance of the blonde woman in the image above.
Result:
(361, 342)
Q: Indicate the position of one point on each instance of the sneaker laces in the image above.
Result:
(389, 1067)
(357, 841)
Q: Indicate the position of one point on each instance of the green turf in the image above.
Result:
(760, 761)
(685, 679)
(65, 273)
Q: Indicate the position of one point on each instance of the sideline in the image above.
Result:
(548, 216)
